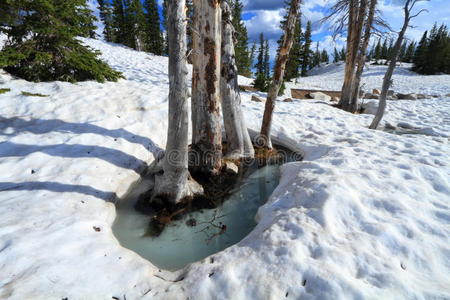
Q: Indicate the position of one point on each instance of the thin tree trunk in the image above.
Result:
(175, 184)
(280, 66)
(362, 55)
(357, 13)
(238, 138)
(206, 119)
(387, 81)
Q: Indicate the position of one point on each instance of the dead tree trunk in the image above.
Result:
(206, 119)
(175, 183)
(362, 54)
(238, 138)
(357, 13)
(387, 81)
(277, 81)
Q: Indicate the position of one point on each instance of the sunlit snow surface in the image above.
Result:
(180, 244)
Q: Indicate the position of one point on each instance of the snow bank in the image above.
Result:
(365, 215)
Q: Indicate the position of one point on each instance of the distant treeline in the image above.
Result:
(430, 56)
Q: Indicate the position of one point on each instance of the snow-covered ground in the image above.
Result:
(366, 215)
(331, 77)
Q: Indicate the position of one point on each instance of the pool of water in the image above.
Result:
(200, 233)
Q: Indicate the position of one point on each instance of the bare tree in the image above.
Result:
(206, 119)
(362, 54)
(175, 183)
(357, 13)
(238, 138)
(278, 75)
(387, 81)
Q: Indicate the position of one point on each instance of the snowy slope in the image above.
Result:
(331, 77)
(366, 215)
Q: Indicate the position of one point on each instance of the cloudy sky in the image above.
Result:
(265, 15)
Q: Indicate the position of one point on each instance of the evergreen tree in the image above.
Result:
(164, 23)
(419, 58)
(384, 50)
(343, 54)
(335, 55)
(402, 53)
(119, 25)
(295, 56)
(252, 54)
(306, 53)
(261, 65)
(43, 45)
(267, 60)
(378, 51)
(154, 41)
(324, 58)
(136, 24)
(243, 61)
(409, 54)
(106, 16)
(316, 57)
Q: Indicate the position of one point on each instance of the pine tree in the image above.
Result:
(267, 61)
(419, 58)
(43, 46)
(402, 54)
(384, 50)
(316, 57)
(243, 61)
(106, 16)
(409, 54)
(252, 54)
(306, 53)
(154, 41)
(119, 26)
(261, 80)
(335, 55)
(377, 52)
(136, 24)
(324, 58)
(343, 54)
(295, 56)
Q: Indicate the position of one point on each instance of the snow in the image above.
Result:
(331, 76)
(366, 215)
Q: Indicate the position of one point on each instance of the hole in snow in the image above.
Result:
(197, 234)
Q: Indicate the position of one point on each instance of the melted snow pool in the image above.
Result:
(180, 243)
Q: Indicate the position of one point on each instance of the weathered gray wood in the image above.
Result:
(387, 81)
(357, 13)
(238, 138)
(206, 119)
(175, 184)
(361, 58)
(280, 67)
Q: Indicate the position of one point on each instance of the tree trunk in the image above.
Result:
(280, 66)
(238, 138)
(387, 81)
(175, 184)
(357, 12)
(206, 119)
(362, 54)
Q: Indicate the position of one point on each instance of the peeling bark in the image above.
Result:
(361, 59)
(357, 13)
(238, 138)
(175, 184)
(206, 119)
(280, 67)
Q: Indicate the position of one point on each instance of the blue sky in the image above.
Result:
(265, 15)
